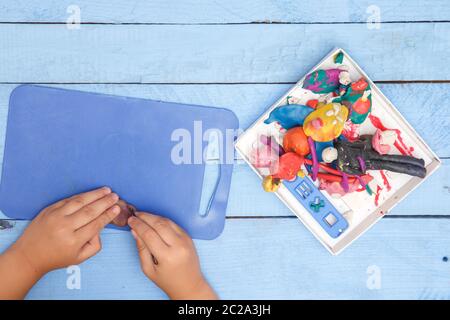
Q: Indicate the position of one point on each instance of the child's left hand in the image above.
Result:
(65, 233)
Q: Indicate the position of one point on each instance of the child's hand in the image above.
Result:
(168, 257)
(67, 232)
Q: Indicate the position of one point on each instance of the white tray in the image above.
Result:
(363, 211)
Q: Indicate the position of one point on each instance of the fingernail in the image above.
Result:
(106, 189)
(115, 209)
(114, 196)
(131, 219)
(133, 234)
(141, 214)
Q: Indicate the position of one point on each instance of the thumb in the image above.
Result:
(90, 249)
(145, 256)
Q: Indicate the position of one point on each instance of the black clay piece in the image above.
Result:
(348, 162)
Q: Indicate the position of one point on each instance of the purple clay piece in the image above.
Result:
(281, 150)
(362, 164)
(269, 141)
(315, 166)
(323, 81)
(265, 140)
(344, 182)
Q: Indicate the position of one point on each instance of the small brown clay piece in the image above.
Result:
(127, 210)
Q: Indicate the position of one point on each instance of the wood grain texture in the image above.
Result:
(418, 103)
(217, 53)
(230, 11)
(287, 264)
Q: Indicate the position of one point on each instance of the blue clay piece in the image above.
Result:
(289, 116)
(320, 146)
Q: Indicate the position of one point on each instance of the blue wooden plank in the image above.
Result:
(420, 103)
(230, 11)
(417, 102)
(277, 259)
(217, 53)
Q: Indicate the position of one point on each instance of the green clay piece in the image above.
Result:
(316, 205)
(358, 118)
(339, 58)
(351, 99)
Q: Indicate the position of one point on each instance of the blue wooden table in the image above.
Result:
(243, 55)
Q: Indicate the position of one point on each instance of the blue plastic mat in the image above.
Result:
(61, 142)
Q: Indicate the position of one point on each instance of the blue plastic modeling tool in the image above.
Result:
(318, 206)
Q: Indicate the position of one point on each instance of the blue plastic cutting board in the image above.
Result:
(62, 142)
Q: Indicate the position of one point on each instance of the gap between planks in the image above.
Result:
(217, 23)
(208, 83)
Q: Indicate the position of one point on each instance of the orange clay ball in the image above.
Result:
(296, 141)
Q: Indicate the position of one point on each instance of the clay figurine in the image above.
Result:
(356, 157)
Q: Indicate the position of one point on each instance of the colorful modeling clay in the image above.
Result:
(400, 145)
(315, 162)
(344, 78)
(326, 122)
(335, 188)
(271, 184)
(270, 141)
(126, 211)
(265, 157)
(329, 154)
(351, 131)
(289, 165)
(289, 116)
(357, 157)
(383, 141)
(312, 103)
(338, 58)
(322, 81)
(358, 99)
(296, 141)
(320, 146)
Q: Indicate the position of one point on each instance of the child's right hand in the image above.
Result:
(168, 257)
